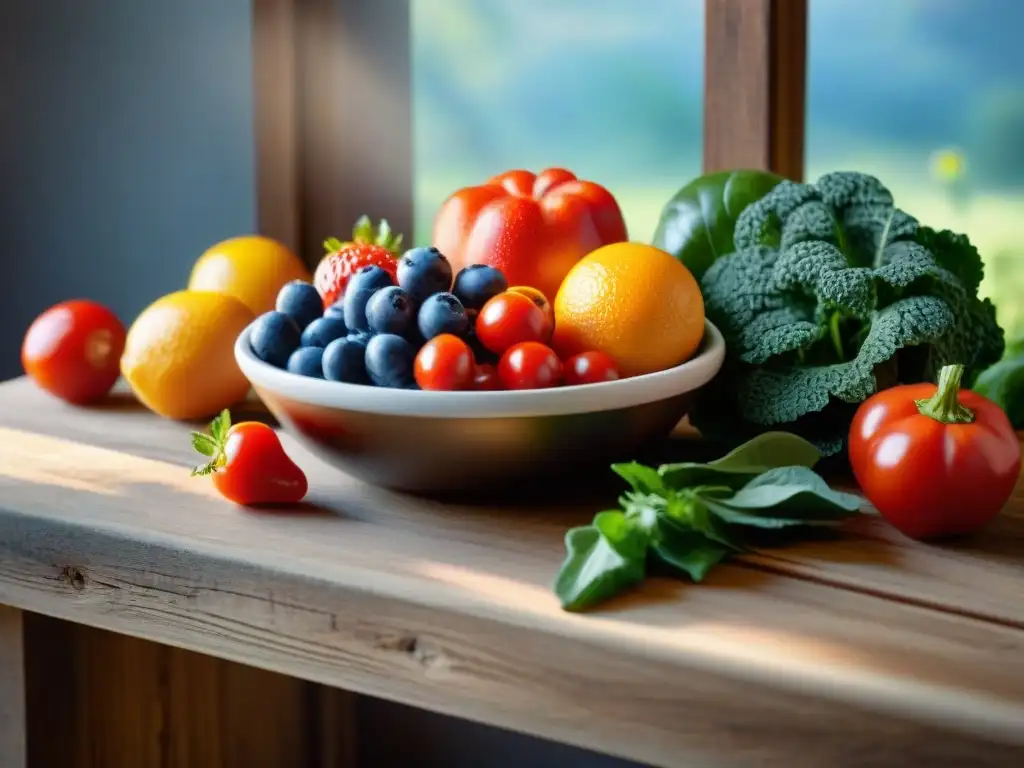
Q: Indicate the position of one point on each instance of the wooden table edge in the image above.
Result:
(81, 578)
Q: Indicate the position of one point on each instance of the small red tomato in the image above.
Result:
(486, 378)
(934, 461)
(530, 365)
(444, 363)
(73, 350)
(248, 463)
(510, 318)
(590, 368)
(542, 303)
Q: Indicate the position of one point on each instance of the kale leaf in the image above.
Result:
(831, 294)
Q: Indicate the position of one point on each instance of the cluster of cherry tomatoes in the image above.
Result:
(508, 348)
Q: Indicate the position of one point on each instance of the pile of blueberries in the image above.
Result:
(372, 335)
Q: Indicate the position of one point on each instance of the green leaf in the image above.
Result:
(628, 538)
(690, 512)
(696, 225)
(688, 551)
(594, 570)
(362, 231)
(220, 425)
(203, 443)
(736, 517)
(769, 450)
(798, 492)
(764, 452)
(1003, 384)
(643, 479)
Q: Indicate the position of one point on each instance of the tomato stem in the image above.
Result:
(945, 405)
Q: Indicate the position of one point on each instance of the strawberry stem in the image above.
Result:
(212, 445)
(365, 233)
(333, 244)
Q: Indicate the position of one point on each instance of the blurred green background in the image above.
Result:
(926, 94)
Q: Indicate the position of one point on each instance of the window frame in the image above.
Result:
(308, 183)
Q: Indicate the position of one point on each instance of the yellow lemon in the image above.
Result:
(250, 268)
(179, 354)
(634, 302)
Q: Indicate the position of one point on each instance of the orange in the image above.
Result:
(634, 302)
(251, 268)
(179, 354)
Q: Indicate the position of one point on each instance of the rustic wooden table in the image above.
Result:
(867, 650)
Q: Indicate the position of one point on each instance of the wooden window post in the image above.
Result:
(754, 85)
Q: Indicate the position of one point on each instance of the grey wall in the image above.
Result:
(126, 148)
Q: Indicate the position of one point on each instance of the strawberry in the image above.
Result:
(369, 246)
(248, 463)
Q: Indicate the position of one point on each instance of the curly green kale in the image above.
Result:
(833, 293)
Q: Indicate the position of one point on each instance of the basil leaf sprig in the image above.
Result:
(690, 516)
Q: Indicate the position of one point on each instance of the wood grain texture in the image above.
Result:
(106, 700)
(12, 689)
(447, 606)
(754, 85)
(275, 85)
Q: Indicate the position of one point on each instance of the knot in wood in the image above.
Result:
(73, 576)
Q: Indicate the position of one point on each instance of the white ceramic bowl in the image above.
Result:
(450, 441)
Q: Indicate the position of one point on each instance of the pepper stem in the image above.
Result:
(945, 405)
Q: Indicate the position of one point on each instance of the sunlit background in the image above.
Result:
(926, 94)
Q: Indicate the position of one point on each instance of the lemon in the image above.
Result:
(179, 354)
(252, 268)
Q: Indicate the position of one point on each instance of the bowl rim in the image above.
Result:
(605, 396)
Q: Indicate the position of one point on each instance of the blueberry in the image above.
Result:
(389, 360)
(301, 302)
(307, 361)
(477, 284)
(442, 313)
(337, 309)
(423, 272)
(274, 337)
(361, 286)
(344, 360)
(390, 310)
(323, 331)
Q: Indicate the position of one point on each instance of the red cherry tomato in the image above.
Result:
(530, 365)
(590, 368)
(248, 463)
(444, 363)
(73, 350)
(486, 378)
(934, 461)
(510, 318)
(542, 303)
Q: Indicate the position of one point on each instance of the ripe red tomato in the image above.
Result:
(73, 350)
(530, 365)
(510, 318)
(248, 463)
(486, 378)
(542, 303)
(590, 368)
(934, 461)
(444, 363)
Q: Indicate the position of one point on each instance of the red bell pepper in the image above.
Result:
(934, 461)
(533, 227)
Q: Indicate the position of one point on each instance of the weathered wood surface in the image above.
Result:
(12, 689)
(868, 650)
